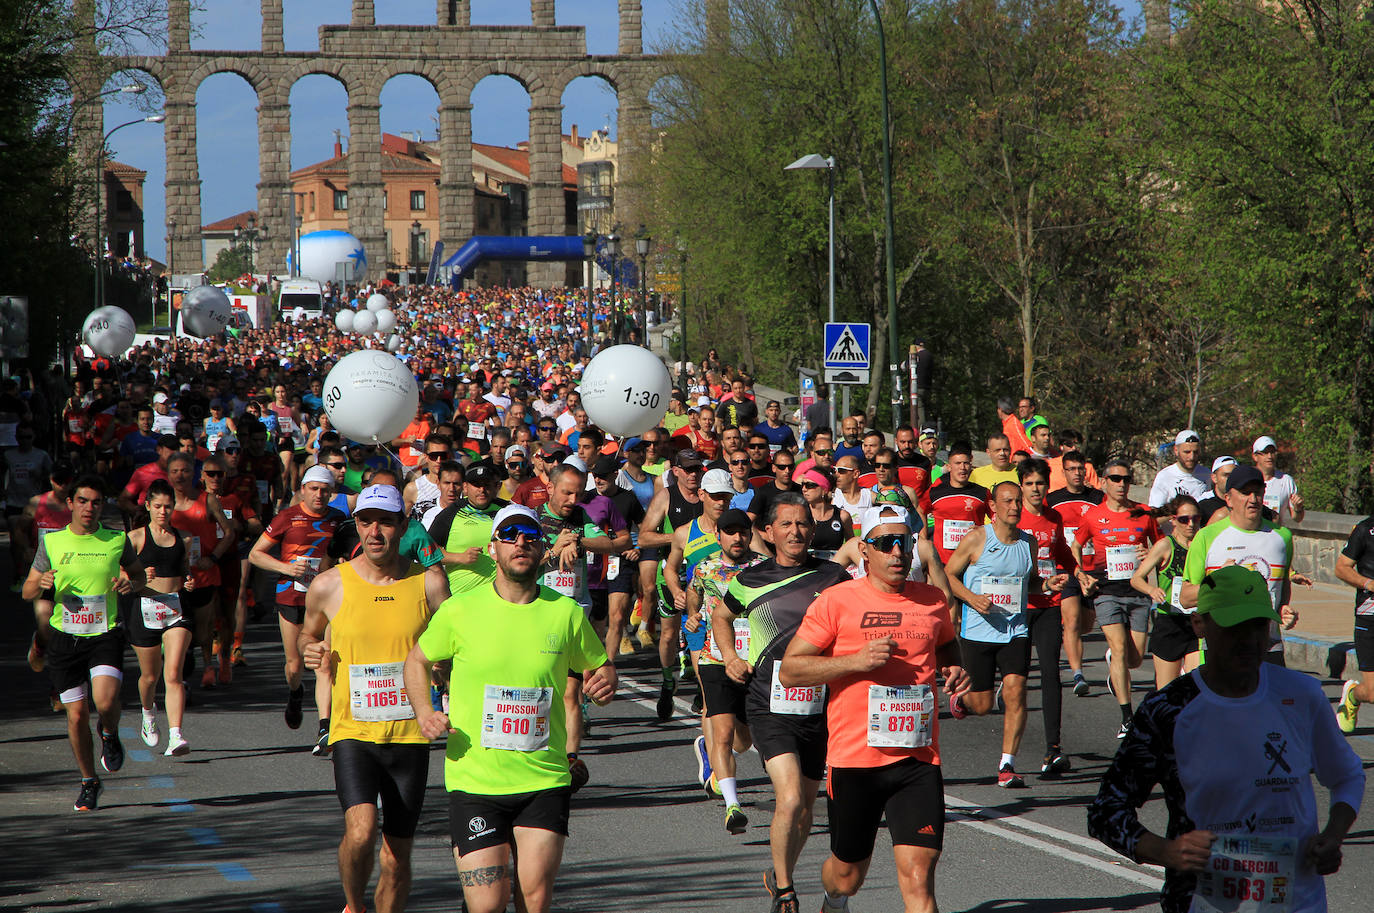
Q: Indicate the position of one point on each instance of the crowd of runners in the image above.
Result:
(826, 596)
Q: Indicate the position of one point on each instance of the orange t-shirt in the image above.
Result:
(1016, 433)
(848, 615)
(414, 433)
(1057, 481)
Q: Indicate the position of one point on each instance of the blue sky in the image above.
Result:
(227, 121)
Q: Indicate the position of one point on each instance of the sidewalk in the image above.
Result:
(1321, 642)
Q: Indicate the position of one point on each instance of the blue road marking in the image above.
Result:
(158, 783)
(204, 836)
(232, 871)
(180, 805)
(139, 755)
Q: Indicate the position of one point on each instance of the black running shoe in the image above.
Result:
(665, 702)
(322, 748)
(293, 712)
(697, 703)
(111, 749)
(89, 796)
(1055, 763)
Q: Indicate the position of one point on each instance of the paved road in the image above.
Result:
(248, 821)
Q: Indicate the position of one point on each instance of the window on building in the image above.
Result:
(124, 201)
(385, 201)
(341, 201)
(312, 202)
(417, 201)
(390, 253)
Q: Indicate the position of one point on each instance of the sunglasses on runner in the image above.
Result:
(1119, 479)
(844, 469)
(823, 451)
(887, 465)
(884, 543)
(212, 473)
(739, 462)
(338, 465)
(1187, 518)
(758, 446)
(231, 450)
(785, 467)
(513, 532)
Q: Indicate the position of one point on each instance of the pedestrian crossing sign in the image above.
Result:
(847, 345)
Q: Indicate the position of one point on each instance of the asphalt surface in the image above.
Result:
(248, 820)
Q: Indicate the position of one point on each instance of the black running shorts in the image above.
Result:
(476, 821)
(70, 659)
(1364, 647)
(720, 693)
(779, 733)
(911, 793)
(1172, 637)
(364, 771)
(982, 661)
(292, 613)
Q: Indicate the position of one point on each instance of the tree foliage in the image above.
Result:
(230, 263)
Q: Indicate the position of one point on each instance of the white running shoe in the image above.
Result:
(149, 730)
(176, 747)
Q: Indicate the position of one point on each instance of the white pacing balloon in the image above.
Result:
(109, 330)
(393, 344)
(625, 390)
(365, 322)
(344, 320)
(378, 302)
(370, 396)
(386, 320)
(205, 311)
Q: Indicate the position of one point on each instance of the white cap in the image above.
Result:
(510, 512)
(882, 514)
(1263, 443)
(159, 397)
(577, 463)
(1223, 461)
(703, 401)
(717, 482)
(1187, 436)
(225, 440)
(515, 450)
(380, 497)
(318, 473)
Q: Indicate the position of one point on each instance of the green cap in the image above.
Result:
(1036, 421)
(1233, 594)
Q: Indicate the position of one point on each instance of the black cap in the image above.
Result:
(1242, 476)
(687, 458)
(605, 465)
(553, 449)
(169, 441)
(734, 518)
(482, 471)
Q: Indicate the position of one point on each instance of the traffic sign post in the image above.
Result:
(848, 347)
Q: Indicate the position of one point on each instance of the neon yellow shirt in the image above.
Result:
(495, 643)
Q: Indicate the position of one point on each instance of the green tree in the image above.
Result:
(1261, 127)
(230, 263)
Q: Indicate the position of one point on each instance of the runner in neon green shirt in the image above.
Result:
(513, 645)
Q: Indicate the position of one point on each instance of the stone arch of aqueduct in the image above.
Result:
(452, 55)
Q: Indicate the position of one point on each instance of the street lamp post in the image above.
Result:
(887, 204)
(613, 248)
(682, 314)
(171, 266)
(100, 192)
(589, 257)
(642, 248)
(815, 162)
(415, 229)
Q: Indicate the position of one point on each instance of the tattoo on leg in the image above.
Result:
(486, 875)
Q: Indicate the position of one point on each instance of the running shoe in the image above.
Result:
(1080, 685)
(1124, 731)
(735, 820)
(697, 703)
(1055, 763)
(828, 907)
(322, 748)
(1348, 710)
(665, 702)
(645, 638)
(89, 796)
(1110, 686)
(956, 707)
(627, 646)
(236, 657)
(580, 775)
(36, 658)
(703, 760)
(1008, 778)
(712, 787)
(637, 615)
(176, 746)
(226, 671)
(111, 749)
(293, 712)
(784, 901)
(149, 729)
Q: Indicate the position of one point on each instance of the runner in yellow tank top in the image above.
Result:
(372, 610)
